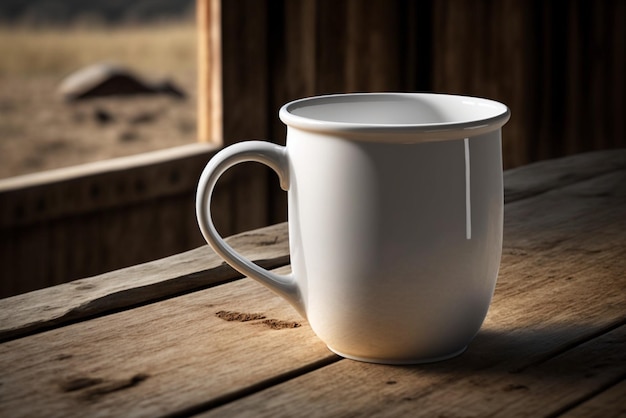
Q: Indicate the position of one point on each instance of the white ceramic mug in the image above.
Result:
(395, 219)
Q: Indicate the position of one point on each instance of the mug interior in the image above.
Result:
(407, 112)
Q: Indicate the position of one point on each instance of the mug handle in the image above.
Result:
(275, 157)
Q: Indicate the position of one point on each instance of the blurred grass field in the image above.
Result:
(167, 48)
(39, 131)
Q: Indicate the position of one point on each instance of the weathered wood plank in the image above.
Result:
(71, 191)
(609, 403)
(542, 176)
(168, 357)
(555, 334)
(85, 298)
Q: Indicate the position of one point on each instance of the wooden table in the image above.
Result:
(187, 335)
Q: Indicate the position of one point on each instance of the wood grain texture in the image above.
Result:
(484, 50)
(245, 105)
(540, 177)
(73, 191)
(170, 357)
(75, 222)
(85, 298)
(609, 402)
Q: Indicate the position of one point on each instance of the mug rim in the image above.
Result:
(402, 132)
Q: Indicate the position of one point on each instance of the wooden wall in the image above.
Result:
(558, 65)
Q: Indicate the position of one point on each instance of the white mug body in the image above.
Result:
(395, 246)
(395, 206)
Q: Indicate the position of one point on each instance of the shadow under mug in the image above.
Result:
(395, 219)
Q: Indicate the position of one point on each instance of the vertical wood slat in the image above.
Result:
(579, 71)
(245, 103)
(362, 46)
(293, 58)
(208, 23)
(616, 70)
(572, 74)
(599, 61)
(483, 49)
(244, 34)
(331, 35)
(293, 62)
(233, 104)
(371, 58)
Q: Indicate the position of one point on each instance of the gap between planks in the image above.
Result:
(255, 388)
(588, 397)
(583, 339)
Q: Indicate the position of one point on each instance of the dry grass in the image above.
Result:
(166, 48)
(39, 131)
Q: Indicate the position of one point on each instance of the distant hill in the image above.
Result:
(62, 12)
